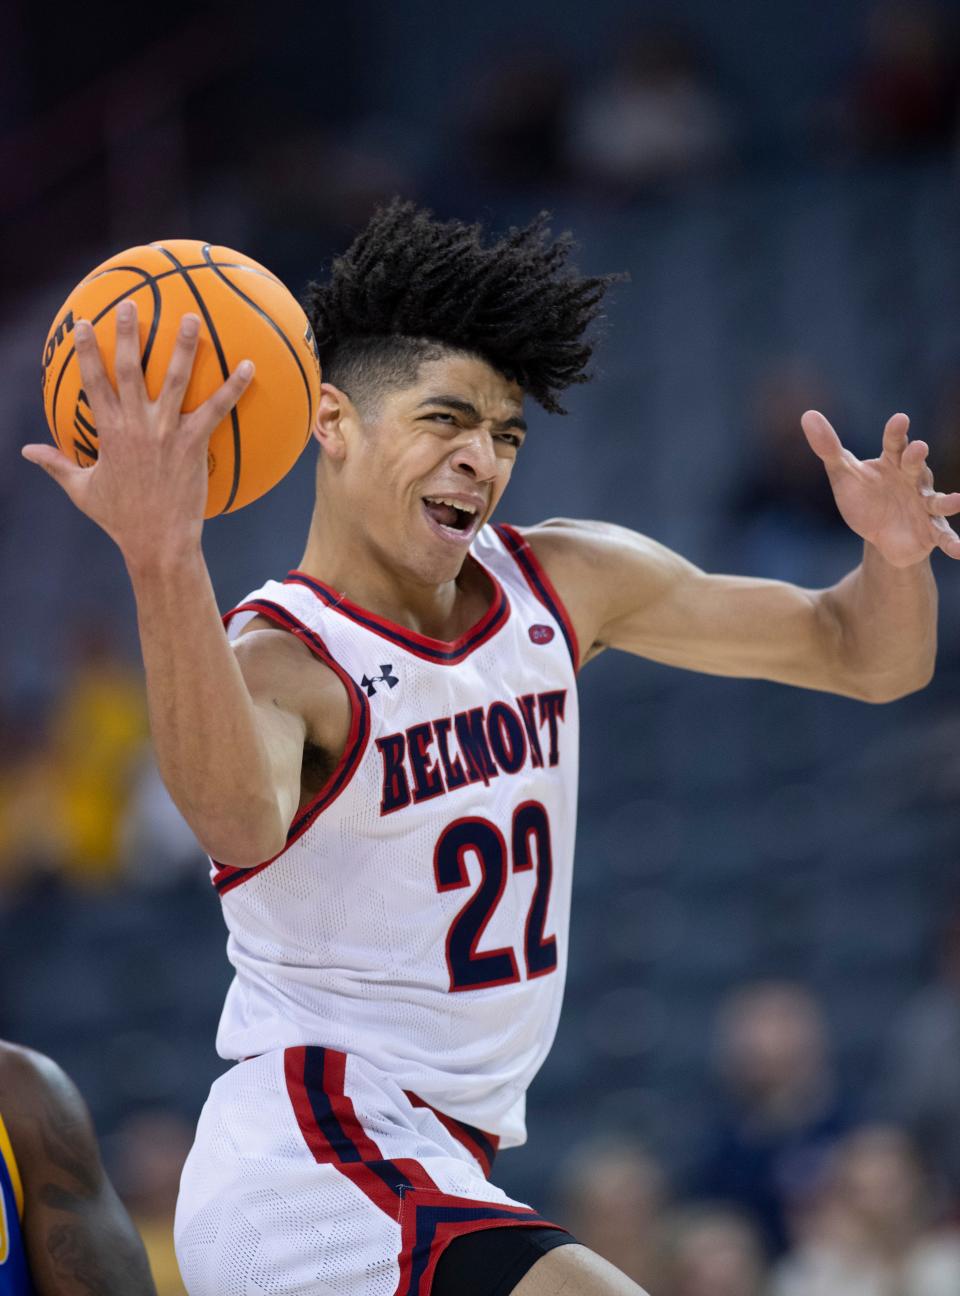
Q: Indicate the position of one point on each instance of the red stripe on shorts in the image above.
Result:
(461, 1132)
(372, 1173)
(423, 1253)
(334, 1081)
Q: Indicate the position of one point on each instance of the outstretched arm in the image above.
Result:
(80, 1241)
(872, 636)
(228, 727)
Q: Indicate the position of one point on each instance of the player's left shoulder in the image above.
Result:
(38, 1097)
(582, 545)
(25, 1072)
(603, 572)
(565, 547)
(580, 558)
(22, 1072)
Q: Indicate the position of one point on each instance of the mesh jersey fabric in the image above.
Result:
(417, 917)
(313, 1174)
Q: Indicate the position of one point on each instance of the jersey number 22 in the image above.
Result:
(470, 970)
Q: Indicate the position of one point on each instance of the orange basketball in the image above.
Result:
(245, 313)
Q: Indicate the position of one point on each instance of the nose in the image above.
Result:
(475, 456)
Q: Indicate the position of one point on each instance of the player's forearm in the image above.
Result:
(884, 627)
(210, 753)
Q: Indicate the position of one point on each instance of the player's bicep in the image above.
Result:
(273, 665)
(78, 1245)
(299, 703)
(283, 733)
(79, 1239)
(632, 593)
(732, 625)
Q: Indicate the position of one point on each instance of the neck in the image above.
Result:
(891, 1238)
(341, 557)
(801, 1098)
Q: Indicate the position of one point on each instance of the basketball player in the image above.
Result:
(382, 756)
(63, 1230)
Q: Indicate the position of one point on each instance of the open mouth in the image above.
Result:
(450, 517)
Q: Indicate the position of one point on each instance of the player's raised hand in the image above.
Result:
(148, 487)
(889, 501)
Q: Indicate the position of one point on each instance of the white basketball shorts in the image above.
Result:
(314, 1173)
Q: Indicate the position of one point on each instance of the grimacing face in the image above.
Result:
(425, 470)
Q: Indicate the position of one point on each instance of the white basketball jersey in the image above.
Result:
(418, 915)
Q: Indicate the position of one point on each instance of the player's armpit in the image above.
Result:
(79, 1238)
(624, 590)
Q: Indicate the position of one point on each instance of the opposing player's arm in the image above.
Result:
(79, 1238)
(872, 636)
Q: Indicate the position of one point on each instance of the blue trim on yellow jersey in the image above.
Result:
(14, 1277)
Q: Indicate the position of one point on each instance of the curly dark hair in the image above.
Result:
(410, 288)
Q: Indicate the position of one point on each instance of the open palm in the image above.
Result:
(889, 501)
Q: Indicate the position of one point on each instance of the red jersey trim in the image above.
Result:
(433, 650)
(540, 585)
(482, 1146)
(429, 1218)
(315, 1079)
(226, 877)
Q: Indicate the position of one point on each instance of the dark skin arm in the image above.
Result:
(79, 1239)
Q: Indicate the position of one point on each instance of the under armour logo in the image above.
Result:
(387, 677)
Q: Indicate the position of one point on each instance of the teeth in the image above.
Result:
(440, 499)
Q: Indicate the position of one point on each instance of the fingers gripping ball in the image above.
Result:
(245, 313)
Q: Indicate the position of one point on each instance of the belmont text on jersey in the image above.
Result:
(417, 915)
(438, 756)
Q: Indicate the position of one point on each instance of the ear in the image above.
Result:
(335, 419)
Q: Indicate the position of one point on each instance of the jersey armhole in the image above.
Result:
(540, 585)
(225, 876)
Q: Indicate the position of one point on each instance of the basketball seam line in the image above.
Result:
(273, 324)
(152, 335)
(150, 280)
(224, 369)
(165, 274)
(146, 281)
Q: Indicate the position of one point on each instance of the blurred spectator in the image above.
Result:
(67, 768)
(921, 1085)
(32, 832)
(315, 184)
(611, 1198)
(903, 97)
(712, 1252)
(651, 121)
(869, 1230)
(941, 426)
(149, 1150)
(783, 503)
(781, 1113)
(513, 135)
(99, 728)
(945, 429)
(159, 848)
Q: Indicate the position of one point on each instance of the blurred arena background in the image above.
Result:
(756, 1082)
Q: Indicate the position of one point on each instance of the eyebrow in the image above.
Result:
(471, 412)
